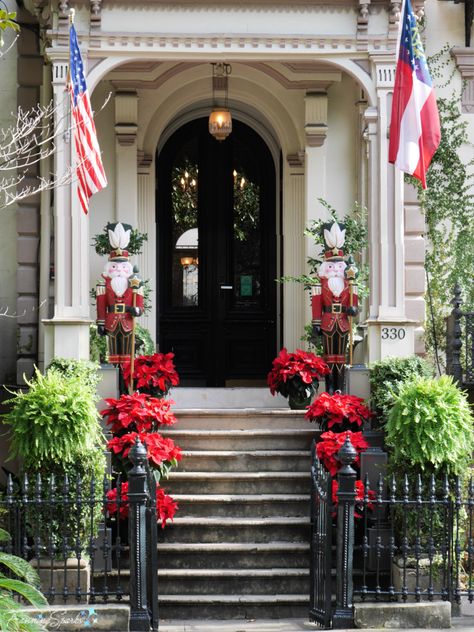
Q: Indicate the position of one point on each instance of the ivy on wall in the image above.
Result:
(448, 205)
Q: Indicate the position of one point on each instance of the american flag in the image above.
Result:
(414, 128)
(90, 170)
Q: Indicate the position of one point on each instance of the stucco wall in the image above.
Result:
(8, 326)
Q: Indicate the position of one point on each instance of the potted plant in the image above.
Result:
(140, 415)
(153, 374)
(340, 412)
(296, 376)
(430, 434)
(55, 431)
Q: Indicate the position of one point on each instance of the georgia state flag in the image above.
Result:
(414, 128)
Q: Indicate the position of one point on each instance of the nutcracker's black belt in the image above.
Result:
(334, 309)
(116, 309)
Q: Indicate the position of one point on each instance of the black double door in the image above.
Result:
(217, 255)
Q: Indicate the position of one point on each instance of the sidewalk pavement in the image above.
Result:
(461, 624)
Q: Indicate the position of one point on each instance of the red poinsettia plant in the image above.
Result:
(346, 412)
(140, 415)
(296, 374)
(117, 503)
(153, 374)
(362, 499)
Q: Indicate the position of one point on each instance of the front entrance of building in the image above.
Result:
(216, 225)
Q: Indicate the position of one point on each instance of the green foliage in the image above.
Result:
(429, 428)
(102, 245)
(7, 21)
(26, 587)
(144, 344)
(97, 346)
(386, 378)
(54, 421)
(83, 370)
(448, 206)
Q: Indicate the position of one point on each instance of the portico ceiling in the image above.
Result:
(302, 75)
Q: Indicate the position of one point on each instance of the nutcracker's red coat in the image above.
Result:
(326, 299)
(111, 321)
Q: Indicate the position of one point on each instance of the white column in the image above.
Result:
(390, 332)
(316, 119)
(294, 260)
(126, 125)
(67, 333)
(147, 224)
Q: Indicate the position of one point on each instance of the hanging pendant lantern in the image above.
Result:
(220, 119)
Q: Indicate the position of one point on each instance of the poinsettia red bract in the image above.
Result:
(346, 411)
(140, 411)
(166, 507)
(303, 365)
(331, 442)
(152, 372)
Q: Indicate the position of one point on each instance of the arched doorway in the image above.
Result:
(217, 255)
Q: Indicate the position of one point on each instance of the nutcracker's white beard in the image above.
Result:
(336, 284)
(119, 284)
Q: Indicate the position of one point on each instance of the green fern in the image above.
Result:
(54, 421)
(429, 428)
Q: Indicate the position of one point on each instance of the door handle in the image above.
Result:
(227, 287)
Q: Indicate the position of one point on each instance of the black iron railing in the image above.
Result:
(73, 536)
(460, 343)
(408, 540)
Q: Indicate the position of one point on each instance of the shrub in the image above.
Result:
(387, 376)
(83, 370)
(429, 428)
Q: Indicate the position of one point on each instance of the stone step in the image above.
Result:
(250, 460)
(233, 397)
(271, 529)
(240, 419)
(261, 439)
(242, 582)
(262, 581)
(231, 555)
(243, 505)
(239, 482)
(278, 606)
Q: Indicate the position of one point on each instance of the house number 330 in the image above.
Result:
(393, 333)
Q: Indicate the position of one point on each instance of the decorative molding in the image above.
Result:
(244, 3)
(296, 160)
(385, 75)
(96, 13)
(126, 118)
(205, 44)
(394, 15)
(464, 59)
(316, 118)
(143, 162)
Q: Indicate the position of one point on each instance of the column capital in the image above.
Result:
(126, 117)
(316, 118)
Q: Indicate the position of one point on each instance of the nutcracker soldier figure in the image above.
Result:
(334, 303)
(119, 297)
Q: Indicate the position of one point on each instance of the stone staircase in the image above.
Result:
(239, 545)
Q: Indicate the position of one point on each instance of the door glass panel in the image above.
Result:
(185, 227)
(246, 228)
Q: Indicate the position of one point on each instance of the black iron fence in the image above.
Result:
(460, 343)
(405, 540)
(73, 535)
